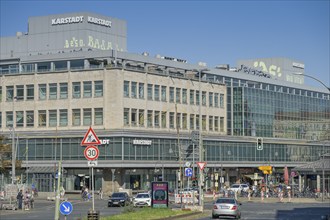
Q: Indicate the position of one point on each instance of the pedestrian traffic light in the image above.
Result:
(259, 143)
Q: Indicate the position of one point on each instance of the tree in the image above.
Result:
(5, 154)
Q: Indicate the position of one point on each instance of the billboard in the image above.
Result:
(159, 192)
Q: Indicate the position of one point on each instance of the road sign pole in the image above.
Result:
(93, 187)
(57, 199)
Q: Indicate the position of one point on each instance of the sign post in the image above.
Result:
(91, 153)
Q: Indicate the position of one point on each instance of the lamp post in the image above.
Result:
(13, 150)
(314, 79)
(201, 149)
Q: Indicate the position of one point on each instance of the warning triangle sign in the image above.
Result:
(201, 165)
(90, 138)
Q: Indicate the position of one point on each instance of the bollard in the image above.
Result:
(93, 215)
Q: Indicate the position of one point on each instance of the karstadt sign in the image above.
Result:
(80, 19)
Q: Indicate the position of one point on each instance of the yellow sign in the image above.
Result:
(267, 171)
(265, 168)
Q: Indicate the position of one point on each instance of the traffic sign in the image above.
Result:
(91, 152)
(66, 208)
(201, 165)
(90, 138)
(92, 163)
(188, 172)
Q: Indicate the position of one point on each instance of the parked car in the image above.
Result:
(239, 187)
(142, 199)
(226, 207)
(119, 199)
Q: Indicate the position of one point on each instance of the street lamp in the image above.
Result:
(314, 79)
(201, 153)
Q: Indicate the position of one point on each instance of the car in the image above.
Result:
(119, 199)
(142, 199)
(239, 187)
(226, 207)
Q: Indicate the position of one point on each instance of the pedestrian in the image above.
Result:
(249, 193)
(19, 197)
(289, 194)
(100, 193)
(27, 200)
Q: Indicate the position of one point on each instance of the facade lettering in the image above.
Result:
(99, 21)
(142, 142)
(92, 43)
(67, 20)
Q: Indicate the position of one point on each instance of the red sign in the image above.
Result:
(90, 138)
(91, 152)
(201, 165)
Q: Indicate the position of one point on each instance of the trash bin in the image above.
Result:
(93, 215)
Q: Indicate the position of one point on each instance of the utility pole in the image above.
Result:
(57, 198)
(201, 158)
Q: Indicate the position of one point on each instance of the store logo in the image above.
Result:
(142, 142)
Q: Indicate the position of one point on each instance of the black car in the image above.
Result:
(119, 199)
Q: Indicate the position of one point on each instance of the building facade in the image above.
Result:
(146, 110)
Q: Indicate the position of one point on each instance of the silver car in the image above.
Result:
(226, 207)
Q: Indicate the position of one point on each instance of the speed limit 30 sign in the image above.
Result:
(91, 152)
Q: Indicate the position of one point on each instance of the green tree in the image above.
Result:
(5, 154)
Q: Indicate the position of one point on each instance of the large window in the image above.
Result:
(9, 119)
(149, 91)
(63, 117)
(52, 118)
(42, 118)
(19, 119)
(184, 96)
(63, 90)
(76, 117)
(204, 98)
(149, 118)
(156, 119)
(9, 93)
(87, 89)
(164, 119)
(134, 117)
(52, 91)
(141, 90)
(178, 95)
(164, 88)
(171, 94)
(134, 90)
(211, 99)
(192, 97)
(126, 88)
(76, 88)
(98, 88)
(30, 92)
(126, 116)
(141, 117)
(87, 120)
(30, 118)
(42, 91)
(171, 119)
(20, 92)
(98, 119)
(222, 101)
(216, 100)
(157, 96)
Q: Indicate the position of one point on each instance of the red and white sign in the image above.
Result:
(201, 165)
(90, 138)
(91, 152)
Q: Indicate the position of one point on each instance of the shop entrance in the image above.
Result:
(135, 182)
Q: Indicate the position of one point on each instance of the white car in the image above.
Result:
(142, 199)
(239, 187)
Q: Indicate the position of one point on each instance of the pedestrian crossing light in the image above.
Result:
(259, 143)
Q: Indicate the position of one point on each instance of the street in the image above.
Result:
(268, 210)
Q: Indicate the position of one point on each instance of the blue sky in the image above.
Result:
(215, 32)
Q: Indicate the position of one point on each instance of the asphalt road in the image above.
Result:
(256, 210)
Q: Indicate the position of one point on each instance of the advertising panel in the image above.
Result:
(159, 194)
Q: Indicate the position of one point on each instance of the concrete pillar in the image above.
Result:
(300, 182)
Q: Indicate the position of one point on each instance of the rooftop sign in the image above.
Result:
(80, 19)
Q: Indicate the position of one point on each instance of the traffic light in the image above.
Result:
(259, 143)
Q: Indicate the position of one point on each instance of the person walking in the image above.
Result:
(100, 193)
(19, 197)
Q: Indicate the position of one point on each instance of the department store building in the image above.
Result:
(70, 72)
